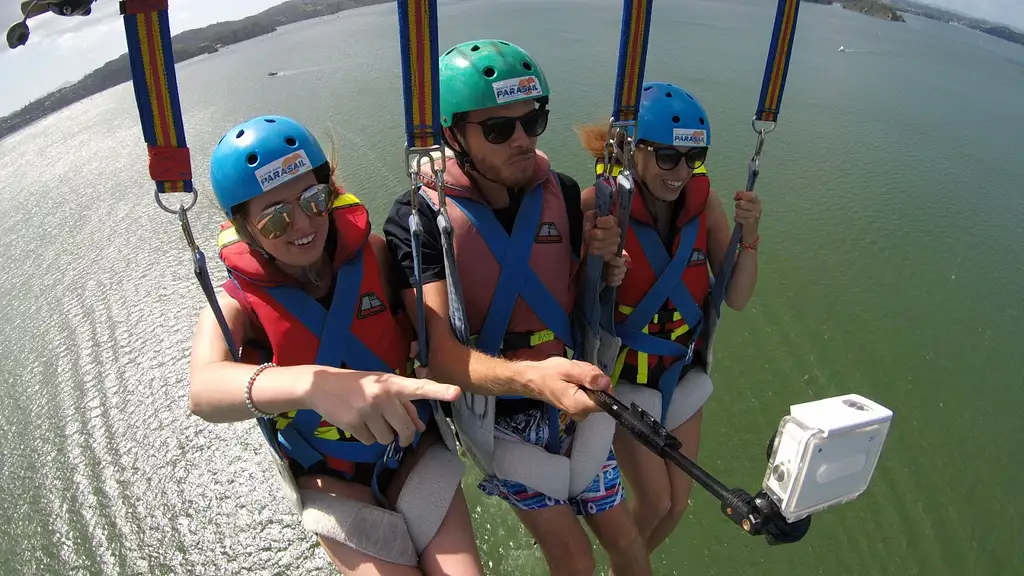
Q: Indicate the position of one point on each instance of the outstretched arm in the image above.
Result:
(555, 380)
(371, 406)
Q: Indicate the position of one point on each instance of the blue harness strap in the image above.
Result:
(338, 347)
(517, 280)
(669, 285)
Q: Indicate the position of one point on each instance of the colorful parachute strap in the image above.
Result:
(148, 33)
(636, 27)
(777, 66)
(629, 79)
(151, 57)
(417, 31)
(776, 69)
(613, 189)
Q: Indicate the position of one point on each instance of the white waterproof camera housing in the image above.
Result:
(825, 453)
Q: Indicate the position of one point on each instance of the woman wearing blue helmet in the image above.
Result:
(325, 361)
(678, 230)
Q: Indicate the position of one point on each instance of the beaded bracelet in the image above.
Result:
(248, 390)
(750, 246)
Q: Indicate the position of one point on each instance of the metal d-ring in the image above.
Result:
(160, 202)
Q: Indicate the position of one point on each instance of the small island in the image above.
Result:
(187, 45)
(869, 7)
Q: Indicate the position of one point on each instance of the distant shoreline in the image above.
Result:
(873, 8)
(210, 39)
(187, 45)
(890, 10)
(995, 29)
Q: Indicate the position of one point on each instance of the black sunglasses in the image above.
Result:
(276, 220)
(500, 129)
(668, 157)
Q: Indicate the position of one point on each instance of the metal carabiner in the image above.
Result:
(754, 167)
(186, 229)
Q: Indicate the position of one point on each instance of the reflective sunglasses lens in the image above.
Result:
(275, 222)
(314, 200)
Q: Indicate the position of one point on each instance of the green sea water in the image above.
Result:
(890, 267)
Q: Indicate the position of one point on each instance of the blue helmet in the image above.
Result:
(672, 116)
(258, 155)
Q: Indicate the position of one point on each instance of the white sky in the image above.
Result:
(65, 49)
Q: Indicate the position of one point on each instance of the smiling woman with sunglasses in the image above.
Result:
(355, 436)
(677, 226)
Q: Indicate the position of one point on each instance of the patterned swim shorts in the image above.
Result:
(605, 492)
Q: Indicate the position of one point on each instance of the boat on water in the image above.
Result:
(841, 49)
(272, 73)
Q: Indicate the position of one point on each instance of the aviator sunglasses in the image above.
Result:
(668, 157)
(500, 129)
(276, 220)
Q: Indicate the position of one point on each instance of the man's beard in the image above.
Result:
(521, 177)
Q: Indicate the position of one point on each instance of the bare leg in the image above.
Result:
(453, 549)
(648, 478)
(688, 434)
(562, 539)
(618, 535)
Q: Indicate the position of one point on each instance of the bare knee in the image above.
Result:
(677, 508)
(628, 544)
(574, 558)
(651, 508)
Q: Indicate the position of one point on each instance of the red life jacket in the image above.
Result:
(650, 322)
(518, 289)
(358, 332)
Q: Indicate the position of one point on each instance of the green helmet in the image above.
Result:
(486, 73)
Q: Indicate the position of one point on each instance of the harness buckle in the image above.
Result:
(393, 455)
(689, 350)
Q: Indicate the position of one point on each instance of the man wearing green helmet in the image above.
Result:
(518, 235)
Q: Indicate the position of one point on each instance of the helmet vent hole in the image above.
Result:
(648, 88)
(690, 95)
(269, 120)
(668, 94)
(489, 72)
(675, 119)
(503, 43)
(475, 48)
(527, 66)
(239, 134)
(450, 50)
(701, 120)
(290, 141)
(252, 159)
